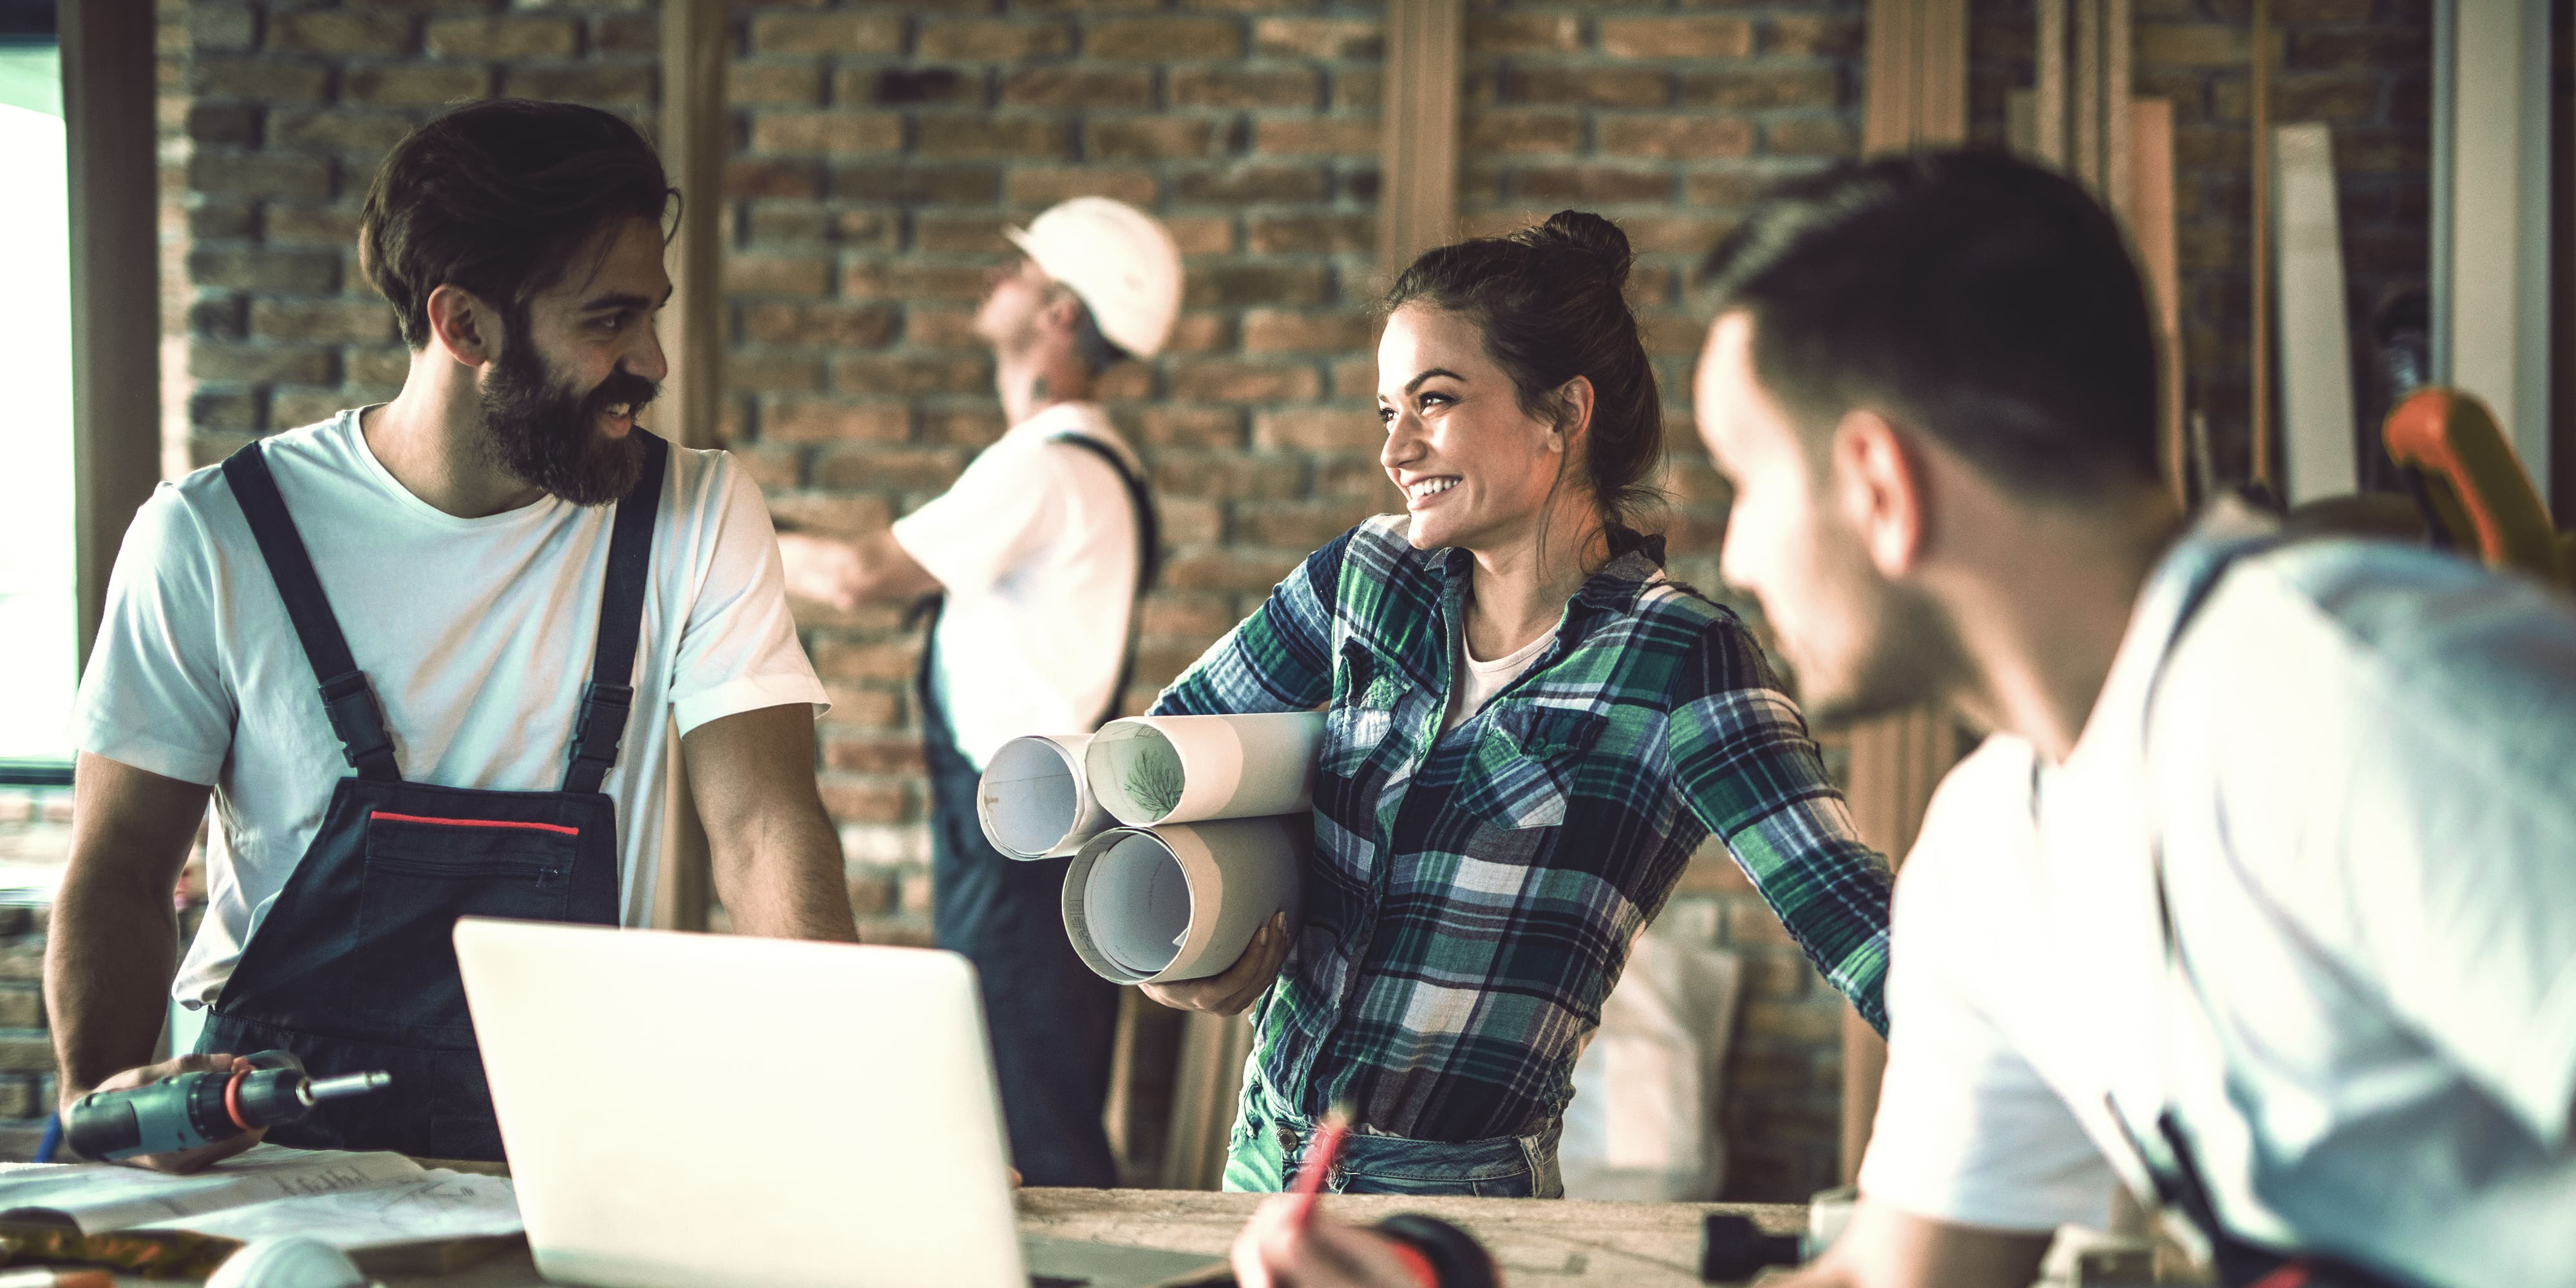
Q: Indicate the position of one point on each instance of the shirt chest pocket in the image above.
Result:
(1522, 772)
(1366, 695)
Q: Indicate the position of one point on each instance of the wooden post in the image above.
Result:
(110, 153)
(2259, 419)
(1418, 159)
(694, 46)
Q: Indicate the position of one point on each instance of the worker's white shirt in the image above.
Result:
(1036, 546)
(2361, 760)
(475, 633)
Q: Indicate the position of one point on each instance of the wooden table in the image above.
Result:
(1539, 1243)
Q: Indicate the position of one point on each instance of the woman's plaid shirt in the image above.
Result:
(1473, 895)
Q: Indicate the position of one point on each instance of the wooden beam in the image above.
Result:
(2151, 227)
(110, 153)
(1918, 75)
(2258, 421)
(695, 42)
(1418, 158)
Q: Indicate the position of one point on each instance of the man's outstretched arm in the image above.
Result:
(777, 859)
(846, 573)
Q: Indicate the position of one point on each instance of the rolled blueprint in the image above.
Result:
(1191, 769)
(1034, 800)
(1181, 901)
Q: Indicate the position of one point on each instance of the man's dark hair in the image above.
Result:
(1978, 298)
(497, 198)
(1549, 301)
(1096, 352)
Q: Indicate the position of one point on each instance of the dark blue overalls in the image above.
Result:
(1053, 1021)
(354, 967)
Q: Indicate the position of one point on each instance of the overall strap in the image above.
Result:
(1149, 554)
(608, 697)
(351, 705)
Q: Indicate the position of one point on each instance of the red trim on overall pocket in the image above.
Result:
(474, 822)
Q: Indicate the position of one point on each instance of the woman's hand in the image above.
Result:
(1229, 993)
(1280, 1248)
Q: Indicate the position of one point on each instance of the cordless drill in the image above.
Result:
(269, 1089)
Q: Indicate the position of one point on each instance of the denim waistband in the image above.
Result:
(1401, 1159)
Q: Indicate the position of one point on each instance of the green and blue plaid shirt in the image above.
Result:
(1474, 894)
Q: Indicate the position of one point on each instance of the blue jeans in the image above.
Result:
(1270, 1141)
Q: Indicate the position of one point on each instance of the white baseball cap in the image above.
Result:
(1118, 259)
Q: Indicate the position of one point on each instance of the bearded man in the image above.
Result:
(431, 658)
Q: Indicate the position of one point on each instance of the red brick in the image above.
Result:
(912, 181)
(368, 321)
(1311, 234)
(2191, 44)
(821, 420)
(222, 124)
(1813, 36)
(929, 327)
(1036, 185)
(1689, 138)
(259, 174)
(909, 86)
(1523, 33)
(1200, 333)
(342, 31)
(819, 324)
(994, 40)
(874, 755)
(827, 33)
(503, 37)
(337, 130)
(1317, 136)
(1588, 183)
(890, 375)
(1163, 39)
(1500, 131)
(258, 78)
(1251, 183)
(1190, 523)
(763, 177)
(2355, 47)
(1239, 572)
(1759, 86)
(772, 373)
(1319, 37)
(975, 232)
(214, 28)
(1244, 87)
(1192, 617)
(413, 85)
(1254, 282)
(628, 33)
(1589, 86)
(749, 274)
(1358, 89)
(768, 83)
(834, 133)
(1355, 378)
(1682, 234)
(862, 802)
(1297, 525)
(856, 707)
(1079, 86)
(1280, 331)
(915, 468)
(609, 85)
(1226, 476)
(1812, 138)
(1170, 426)
(1001, 137)
(1676, 37)
(1229, 380)
(905, 280)
(974, 427)
(260, 364)
(1319, 429)
(1201, 234)
(1150, 138)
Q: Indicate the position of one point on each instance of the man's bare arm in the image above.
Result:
(114, 942)
(844, 573)
(1886, 1248)
(777, 859)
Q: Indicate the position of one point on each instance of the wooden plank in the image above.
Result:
(110, 152)
(1204, 1088)
(1418, 154)
(2118, 42)
(2048, 118)
(2259, 415)
(2087, 89)
(2317, 427)
(2151, 226)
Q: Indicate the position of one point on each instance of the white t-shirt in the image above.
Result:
(2361, 760)
(475, 633)
(1036, 547)
(1478, 682)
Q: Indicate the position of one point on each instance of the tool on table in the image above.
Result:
(269, 1089)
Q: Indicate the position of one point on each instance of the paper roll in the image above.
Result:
(1034, 801)
(1152, 770)
(1144, 905)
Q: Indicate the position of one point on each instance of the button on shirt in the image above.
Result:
(1474, 892)
(2359, 763)
(1035, 545)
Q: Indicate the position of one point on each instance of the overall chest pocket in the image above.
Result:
(423, 873)
(1363, 711)
(1522, 772)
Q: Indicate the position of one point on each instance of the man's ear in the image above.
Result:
(1574, 404)
(1878, 481)
(469, 330)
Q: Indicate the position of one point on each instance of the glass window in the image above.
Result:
(37, 631)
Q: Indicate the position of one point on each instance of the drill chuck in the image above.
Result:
(192, 1109)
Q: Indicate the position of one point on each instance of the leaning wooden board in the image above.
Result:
(1540, 1244)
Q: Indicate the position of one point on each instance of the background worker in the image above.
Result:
(1529, 731)
(2261, 896)
(1038, 551)
(503, 689)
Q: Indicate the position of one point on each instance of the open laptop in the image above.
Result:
(715, 1110)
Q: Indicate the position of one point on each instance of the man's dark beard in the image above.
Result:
(546, 434)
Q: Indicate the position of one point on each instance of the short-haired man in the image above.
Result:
(509, 594)
(2262, 897)
(1039, 551)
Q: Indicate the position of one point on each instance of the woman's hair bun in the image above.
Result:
(1591, 234)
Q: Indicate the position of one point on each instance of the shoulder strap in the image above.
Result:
(608, 697)
(1149, 555)
(351, 705)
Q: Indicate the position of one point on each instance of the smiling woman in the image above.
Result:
(1529, 731)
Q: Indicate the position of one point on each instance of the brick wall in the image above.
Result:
(2361, 66)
